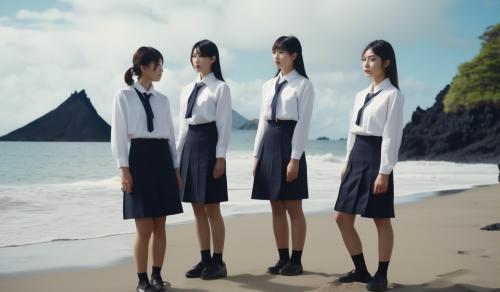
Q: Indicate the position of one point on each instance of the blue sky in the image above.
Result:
(56, 47)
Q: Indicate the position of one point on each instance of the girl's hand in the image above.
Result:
(219, 168)
(342, 171)
(381, 184)
(292, 170)
(126, 180)
(255, 161)
(178, 177)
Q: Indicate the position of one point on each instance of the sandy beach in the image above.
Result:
(439, 246)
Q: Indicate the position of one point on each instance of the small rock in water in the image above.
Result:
(492, 227)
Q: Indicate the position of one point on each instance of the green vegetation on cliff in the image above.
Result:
(478, 81)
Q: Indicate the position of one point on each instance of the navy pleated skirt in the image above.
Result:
(154, 187)
(197, 166)
(356, 189)
(274, 155)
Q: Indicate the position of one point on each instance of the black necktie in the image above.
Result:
(144, 97)
(274, 103)
(192, 99)
(368, 97)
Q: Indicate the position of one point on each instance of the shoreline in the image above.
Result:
(20, 253)
(415, 197)
(438, 244)
(406, 199)
(439, 247)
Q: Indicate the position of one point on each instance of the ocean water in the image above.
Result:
(56, 191)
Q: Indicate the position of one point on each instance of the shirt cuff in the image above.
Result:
(220, 153)
(122, 162)
(255, 153)
(297, 154)
(385, 169)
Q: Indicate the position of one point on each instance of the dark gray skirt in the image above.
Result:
(154, 187)
(356, 189)
(197, 166)
(274, 155)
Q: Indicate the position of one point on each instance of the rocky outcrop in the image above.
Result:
(464, 136)
(250, 125)
(74, 120)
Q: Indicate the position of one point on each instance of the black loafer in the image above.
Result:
(377, 283)
(214, 271)
(145, 287)
(291, 269)
(354, 276)
(158, 283)
(195, 271)
(275, 270)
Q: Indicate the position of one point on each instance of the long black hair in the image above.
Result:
(384, 50)
(209, 49)
(291, 45)
(143, 56)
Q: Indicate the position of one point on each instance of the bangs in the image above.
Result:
(279, 44)
(152, 55)
(204, 49)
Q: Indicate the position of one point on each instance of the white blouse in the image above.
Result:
(213, 103)
(383, 117)
(295, 102)
(128, 121)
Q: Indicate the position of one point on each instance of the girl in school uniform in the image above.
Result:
(205, 126)
(367, 186)
(149, 169)
(280, 170)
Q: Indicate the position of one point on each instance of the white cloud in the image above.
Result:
(49, 54)
(47, 15)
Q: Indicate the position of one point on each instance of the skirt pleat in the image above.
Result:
(356, 188)
(197, 165)
(154, 186)
(274, 155)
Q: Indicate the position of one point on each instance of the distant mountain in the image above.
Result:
(74, 120)
(77, 120)
(323, 138)
(463, 125)
(250, 125)
(238, 120)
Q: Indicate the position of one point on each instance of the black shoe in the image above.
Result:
(377, 283)
(354, 276)
(158, 283)
(291, 269)
(145, 287)
(195, 271)
(214, 271)
(275, 270)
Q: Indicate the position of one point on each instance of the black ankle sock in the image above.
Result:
(296, 257)
(143, 277)
(205, 256)
(382, 269)
(156, 271)
(217, 257)
(359, 263)
(284, 254)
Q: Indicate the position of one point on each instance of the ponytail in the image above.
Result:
(128, 76)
